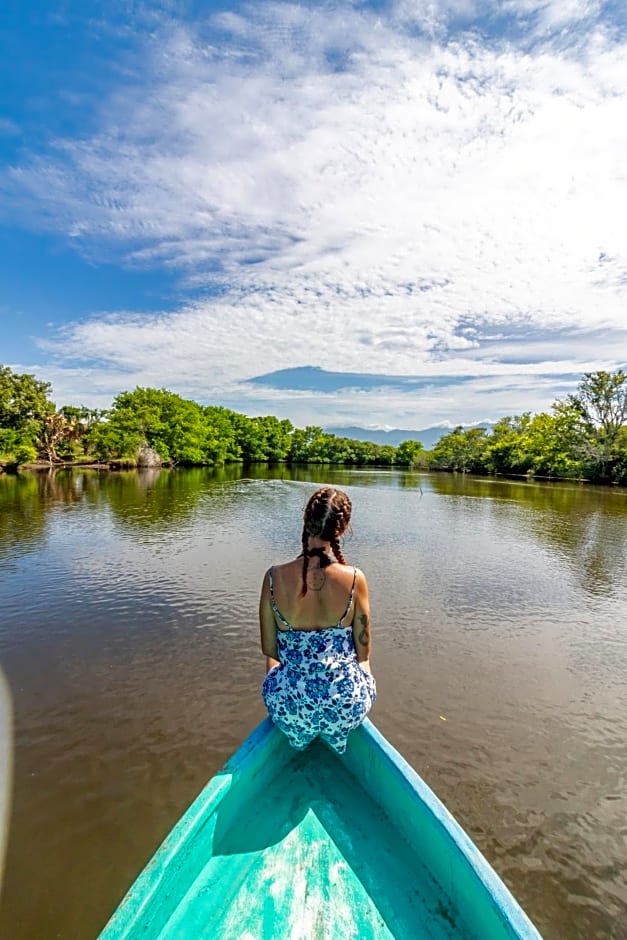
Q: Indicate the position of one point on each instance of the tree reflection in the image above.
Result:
(143, 499)
(22, 514)
(586, 525)
(583, 524)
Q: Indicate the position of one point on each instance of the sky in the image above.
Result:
(385, 214)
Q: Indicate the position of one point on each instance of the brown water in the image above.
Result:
(128, 634)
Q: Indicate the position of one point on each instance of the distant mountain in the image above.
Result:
(395, 436)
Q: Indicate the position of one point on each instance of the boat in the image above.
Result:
(311, 845)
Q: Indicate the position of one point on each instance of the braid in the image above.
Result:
(327, 516)
(342, 521)
(337, 551)
(305, 540)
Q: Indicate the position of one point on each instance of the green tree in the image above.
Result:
(410, 453)
(221, 441)
(385, 455)
(506, 445)
(550, 445)
(250, 435)
(304, 443)
(15, 449)
(539, 444)
(338, 450)
(463, 450)
(278, 436)
(586, 435)
(82, 424)
(264, 438)
(24, 407)
(619, 457)
(601, 406)
(23, 401)
(173, 426)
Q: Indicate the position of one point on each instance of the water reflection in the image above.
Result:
(136, 671)
(584, 524)
(141, 500)
(23, 515)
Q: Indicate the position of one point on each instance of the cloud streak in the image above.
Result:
(347, 189)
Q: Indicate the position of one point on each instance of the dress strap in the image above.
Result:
(350, 598)
(275, 609)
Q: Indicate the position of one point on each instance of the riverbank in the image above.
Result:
(42, 466)
(119, 465)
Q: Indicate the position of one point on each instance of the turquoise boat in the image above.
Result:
(313, 846)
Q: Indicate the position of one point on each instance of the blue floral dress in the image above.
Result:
(319, 688)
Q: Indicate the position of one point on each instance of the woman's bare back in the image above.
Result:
(324, 604)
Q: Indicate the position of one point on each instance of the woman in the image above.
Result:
(315, 632)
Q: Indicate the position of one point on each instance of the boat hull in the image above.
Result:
(303, 845)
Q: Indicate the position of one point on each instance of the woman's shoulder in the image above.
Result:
(284, 569)
(361, 583)
(294, 567)
(347, 573)
(286, 566)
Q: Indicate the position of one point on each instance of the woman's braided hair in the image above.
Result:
(327, 516)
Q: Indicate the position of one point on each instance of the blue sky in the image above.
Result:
(387, 214)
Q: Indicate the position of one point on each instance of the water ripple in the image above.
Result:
(129, 635)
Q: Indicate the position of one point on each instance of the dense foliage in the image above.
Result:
(182, 432)
(584, 437)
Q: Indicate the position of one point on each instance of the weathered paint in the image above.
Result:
(309, 845)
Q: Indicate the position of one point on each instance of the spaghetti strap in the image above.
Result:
(289, 626)
(318, 689)
(350, 599)
(275, 609)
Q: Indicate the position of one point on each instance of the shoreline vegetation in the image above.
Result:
(583, 438)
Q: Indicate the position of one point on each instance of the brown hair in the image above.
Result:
(327, 516)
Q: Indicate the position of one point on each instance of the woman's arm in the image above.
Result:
(267, 626)
(361, 621)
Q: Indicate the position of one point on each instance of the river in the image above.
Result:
(129, 637)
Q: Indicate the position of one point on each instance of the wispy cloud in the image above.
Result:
(347, 188)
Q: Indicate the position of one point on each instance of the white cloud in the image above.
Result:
(423, 184)
(553, 15)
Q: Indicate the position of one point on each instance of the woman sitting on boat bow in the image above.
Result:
(319, 681)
